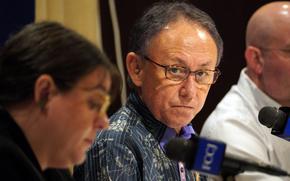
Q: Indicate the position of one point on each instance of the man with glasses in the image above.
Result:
(264, 82)
(174, 51)
(180, 73)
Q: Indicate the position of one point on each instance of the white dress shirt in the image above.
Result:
(235, 122)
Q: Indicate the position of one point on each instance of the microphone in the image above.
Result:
(208, 156)
(277, 119)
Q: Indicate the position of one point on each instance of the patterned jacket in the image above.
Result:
(130, 149)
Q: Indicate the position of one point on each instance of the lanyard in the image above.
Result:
(181, 171)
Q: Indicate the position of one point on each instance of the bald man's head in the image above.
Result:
(267, 22)
(267, 52)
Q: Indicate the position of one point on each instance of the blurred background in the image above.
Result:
(107, 23)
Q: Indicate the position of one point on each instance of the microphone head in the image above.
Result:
(179, 149)
(268, 116)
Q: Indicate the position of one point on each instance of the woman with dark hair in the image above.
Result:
(54, 92)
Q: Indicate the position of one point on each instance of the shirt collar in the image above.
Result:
(186, 133)
(159, 130)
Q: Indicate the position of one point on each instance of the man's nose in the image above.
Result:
(189, 88)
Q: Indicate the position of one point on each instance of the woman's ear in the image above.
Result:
(44, 90)
(135, 68)
(254, 59)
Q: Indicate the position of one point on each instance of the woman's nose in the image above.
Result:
(102, 122)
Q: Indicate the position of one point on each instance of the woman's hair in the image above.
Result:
(47, 48)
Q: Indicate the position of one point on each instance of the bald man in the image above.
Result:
(265, 81)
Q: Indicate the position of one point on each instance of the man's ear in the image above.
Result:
(254, 59)
(44, 89)
(135, 68)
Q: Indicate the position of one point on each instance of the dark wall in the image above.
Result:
(230, 17)
(14, 14)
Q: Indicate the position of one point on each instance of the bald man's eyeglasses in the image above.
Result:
(179, 73)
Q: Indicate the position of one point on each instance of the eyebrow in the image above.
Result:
(181, 61)
(206, 64)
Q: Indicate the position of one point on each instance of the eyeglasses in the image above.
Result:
(179, 73)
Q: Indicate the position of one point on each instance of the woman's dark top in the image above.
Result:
(17, 160)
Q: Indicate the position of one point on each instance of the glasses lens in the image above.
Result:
(206, 76)
(176, 73)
